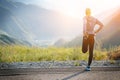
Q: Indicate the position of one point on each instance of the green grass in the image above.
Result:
(28, 54)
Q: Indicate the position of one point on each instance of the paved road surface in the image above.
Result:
(75, 73)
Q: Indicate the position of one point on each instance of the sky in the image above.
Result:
(76, 8)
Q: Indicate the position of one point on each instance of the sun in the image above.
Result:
(68, 7)
(71, 12)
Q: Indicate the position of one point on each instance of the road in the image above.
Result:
(74, 73)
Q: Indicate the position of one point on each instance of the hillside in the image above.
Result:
(9, 25)
(109, 36)
(7, 40)
(60, 42)
(30, 22)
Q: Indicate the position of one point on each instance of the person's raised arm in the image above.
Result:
(100, 26)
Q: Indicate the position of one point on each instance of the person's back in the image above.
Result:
(91, 21)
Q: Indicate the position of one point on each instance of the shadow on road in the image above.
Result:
(71, 76)
(10, 72)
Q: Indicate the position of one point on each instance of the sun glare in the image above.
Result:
(75, 8)
(69, 7)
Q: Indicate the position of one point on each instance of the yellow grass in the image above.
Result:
(27, 54)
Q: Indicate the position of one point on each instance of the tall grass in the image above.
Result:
(28, 54)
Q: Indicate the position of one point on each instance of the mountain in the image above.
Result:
(7, 40)
(30, 22)
(44, 24)
(9, 24)
(76, 42)
(61, 42)
(110, 33)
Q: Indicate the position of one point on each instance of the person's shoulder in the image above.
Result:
(93, 18)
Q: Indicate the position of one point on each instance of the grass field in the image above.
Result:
(28, 54)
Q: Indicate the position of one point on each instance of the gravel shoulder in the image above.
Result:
(58, 64)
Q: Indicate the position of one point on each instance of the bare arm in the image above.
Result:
(100, 26)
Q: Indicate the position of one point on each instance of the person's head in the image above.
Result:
(88, 12)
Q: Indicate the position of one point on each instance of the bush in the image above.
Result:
(115, 55)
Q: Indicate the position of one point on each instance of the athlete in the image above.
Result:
(89, 23)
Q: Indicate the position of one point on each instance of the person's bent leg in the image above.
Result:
(85, 44)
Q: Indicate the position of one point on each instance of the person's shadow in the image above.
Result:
(71, 76)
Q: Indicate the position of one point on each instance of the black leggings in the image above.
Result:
(88, 42)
